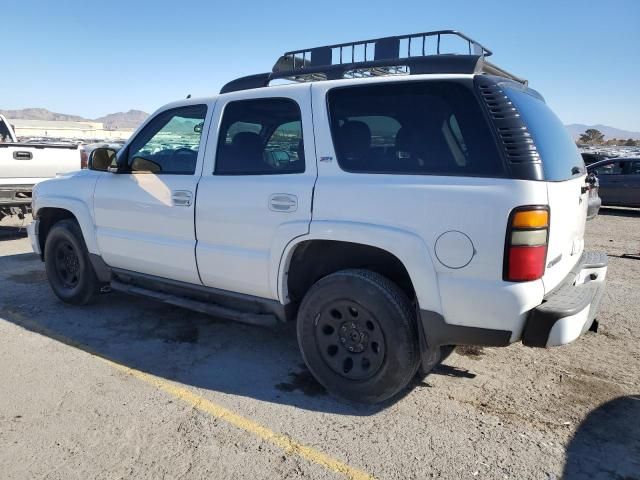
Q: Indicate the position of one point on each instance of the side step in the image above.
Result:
(261, 319)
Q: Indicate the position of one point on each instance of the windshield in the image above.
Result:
(557, 150)
(5, 136)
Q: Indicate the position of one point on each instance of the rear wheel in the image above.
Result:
(357, 334)
(70, 273)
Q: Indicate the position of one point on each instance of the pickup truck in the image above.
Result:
(22, 165)
(392, 206)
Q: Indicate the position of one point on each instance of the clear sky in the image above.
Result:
(96, 57)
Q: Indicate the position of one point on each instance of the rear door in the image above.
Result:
(256, 189)
(630, 190)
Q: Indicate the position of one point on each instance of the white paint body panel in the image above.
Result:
(73, 192)
(138, 228)
(138, 225)
(568, 216)
(230, 239)
(240, 238)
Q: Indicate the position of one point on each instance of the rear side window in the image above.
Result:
(558, 152)
(431, 128)
(260, 137)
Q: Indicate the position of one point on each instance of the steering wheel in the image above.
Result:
(185, 150)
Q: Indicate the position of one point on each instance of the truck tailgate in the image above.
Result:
(35, 161)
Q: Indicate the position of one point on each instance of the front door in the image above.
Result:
(145, 216)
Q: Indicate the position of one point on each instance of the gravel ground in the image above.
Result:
(191, 396)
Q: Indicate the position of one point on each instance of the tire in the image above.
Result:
(70, 273)
(357, 334)
(443, 354)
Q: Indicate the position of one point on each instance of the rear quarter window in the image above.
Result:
(416, 128)
(558, 152)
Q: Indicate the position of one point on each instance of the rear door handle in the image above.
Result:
(283, 202)
(181, 198)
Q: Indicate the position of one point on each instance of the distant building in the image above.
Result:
(72, 130)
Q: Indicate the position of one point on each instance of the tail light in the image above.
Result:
(526, 244)
(84, 159)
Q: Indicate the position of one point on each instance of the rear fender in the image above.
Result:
(409, 248)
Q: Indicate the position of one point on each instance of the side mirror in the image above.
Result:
(281, 156)
(102, 159)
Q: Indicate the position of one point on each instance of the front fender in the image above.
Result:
(409, 248)
(80, 211)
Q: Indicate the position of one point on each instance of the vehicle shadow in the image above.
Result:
(607, 443)
(619, 211)
(173, 343)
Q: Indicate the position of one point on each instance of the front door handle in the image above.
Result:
(181, 198)
(283, 202)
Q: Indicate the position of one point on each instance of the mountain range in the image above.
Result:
(576, 129)
(126, 120)
(133, 118)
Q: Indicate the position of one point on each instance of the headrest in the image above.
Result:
(355, 136)
(247, 141)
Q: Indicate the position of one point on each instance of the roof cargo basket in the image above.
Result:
(413, 54)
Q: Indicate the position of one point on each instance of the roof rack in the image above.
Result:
(412, 54)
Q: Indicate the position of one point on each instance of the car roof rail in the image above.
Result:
(412, 54)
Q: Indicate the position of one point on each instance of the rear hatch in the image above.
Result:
(568, 215)
(564, 173)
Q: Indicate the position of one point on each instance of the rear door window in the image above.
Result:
(558, 151)
(429, 128)
(260, 137)
(634, 168)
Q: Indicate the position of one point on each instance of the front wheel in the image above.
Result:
(70, 273)
(357, 333)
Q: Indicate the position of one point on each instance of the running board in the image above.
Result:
(261, 319)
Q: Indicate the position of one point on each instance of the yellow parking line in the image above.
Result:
(282, 441)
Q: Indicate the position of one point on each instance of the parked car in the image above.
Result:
(22, 165)
(401, 214)
(619, 181)
(590, 157)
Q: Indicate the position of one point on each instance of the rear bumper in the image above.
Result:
(569, 310)
(15, 195)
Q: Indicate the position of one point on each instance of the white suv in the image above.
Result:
(392, 204)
